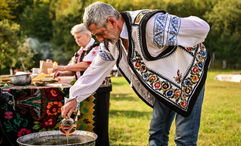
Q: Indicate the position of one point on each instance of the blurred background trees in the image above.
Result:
(32, 30)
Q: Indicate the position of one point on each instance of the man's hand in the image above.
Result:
(68, 108)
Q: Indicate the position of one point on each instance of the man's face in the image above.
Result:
(109, 33)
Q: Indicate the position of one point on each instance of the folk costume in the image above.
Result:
(164, 61)
(94, 111)
(174, 75)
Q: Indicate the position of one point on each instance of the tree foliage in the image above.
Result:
(7, 8)
(49, 22)
(224, 39)
(225, 16)
(8, 44)
(13, 53)
(36, 21)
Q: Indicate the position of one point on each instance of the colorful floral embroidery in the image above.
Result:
(137, 64)
(54, 108)
(191, 49)
(179, 77)
(23, 132)
(183, 104)
(54, 94)
(152, 78)
(36, 110)
(48, 122)
(170, 93)
(178, 95)
(31, 102)
(195, 70)
(194, 78)
(8, 115)
(157, 85)
(188, 83)
(140, 15)
(165, 85)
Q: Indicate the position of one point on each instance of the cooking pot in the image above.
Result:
(21, 79)
(49, 138)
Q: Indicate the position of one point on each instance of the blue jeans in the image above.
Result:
(186, 127)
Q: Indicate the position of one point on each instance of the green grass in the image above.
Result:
(221, 115)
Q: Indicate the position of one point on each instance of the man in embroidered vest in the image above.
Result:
(163, 59)
(98, 106)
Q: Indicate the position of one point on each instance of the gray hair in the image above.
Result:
(80, 28)
(97, 13)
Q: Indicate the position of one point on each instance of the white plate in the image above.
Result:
(58, 85)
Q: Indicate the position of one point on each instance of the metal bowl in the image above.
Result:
(21, 80)
(48, 138)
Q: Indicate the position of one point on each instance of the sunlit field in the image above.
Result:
(221, 115)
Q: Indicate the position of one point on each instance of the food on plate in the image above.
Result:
(42, 79)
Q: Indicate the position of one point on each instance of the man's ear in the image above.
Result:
(112, 21)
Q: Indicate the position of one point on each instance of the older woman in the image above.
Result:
(83, 57)
(94, 110)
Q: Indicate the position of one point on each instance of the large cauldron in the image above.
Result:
(50, 138)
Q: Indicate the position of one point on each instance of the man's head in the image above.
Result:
(103, 21)
(81, 34)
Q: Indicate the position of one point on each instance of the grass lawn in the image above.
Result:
(221, 115)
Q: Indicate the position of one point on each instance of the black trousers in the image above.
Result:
(102, 100)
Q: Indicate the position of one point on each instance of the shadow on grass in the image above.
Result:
(122, 97)
(129, 113)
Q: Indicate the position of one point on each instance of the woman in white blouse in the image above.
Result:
(78, 62)
(82, 59)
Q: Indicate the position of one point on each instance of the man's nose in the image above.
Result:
(100, 39)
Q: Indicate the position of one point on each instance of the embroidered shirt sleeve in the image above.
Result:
(92, 78)
(170, 30)
(106, 55)
(165, 29)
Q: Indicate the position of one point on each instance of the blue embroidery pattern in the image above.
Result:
(173, 30)
(106, 55)
(159, 27)
(160, 22)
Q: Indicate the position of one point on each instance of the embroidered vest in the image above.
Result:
(174, 77)
(83, 54)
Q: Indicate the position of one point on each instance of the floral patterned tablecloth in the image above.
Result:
(31, 109)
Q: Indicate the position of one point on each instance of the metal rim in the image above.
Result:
(56, 132)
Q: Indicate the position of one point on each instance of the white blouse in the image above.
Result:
(90, 56)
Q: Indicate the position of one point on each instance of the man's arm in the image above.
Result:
(89, 82)
(92, 78)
